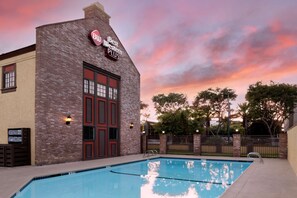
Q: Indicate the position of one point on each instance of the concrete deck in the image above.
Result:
(274, 178)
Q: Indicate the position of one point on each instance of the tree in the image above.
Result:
(177, 122)
(243, 110)
(173, 113)
(272, 103)
(214, 103)
(170, 103)
(144, 114)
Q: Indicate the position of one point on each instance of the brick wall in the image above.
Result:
(163, 143)
(236, 144)
(197, 144)
(283, 145)
(61, 50)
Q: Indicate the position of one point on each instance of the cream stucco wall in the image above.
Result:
(17, 109)
(292, 148)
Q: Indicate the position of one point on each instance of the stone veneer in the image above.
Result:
(197, 144)
(283, 146)
(236, 144)
(61, 49)
(163, 143)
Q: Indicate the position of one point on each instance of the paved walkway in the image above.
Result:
(274, 178)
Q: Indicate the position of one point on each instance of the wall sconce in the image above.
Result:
(236, 130)
(163, 132)
(68, 120)
(197, 130)
(131, 125)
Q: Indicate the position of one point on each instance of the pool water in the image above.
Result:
(161, 177)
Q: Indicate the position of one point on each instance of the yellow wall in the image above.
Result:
(17, 109)
(292, 148)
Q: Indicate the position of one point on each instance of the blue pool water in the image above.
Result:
(157, 178)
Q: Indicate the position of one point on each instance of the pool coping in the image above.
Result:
(274, 178)
(139, 160)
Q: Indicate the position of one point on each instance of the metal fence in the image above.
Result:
(218, 145)
(267, 146)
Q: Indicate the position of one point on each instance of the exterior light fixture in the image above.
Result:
(236, 130)
(163, 132)
(143, 132)
(197, 130)
(68, 120)
(131, 125)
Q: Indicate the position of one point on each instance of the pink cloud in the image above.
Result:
(17, 15)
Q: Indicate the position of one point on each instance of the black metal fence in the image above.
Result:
(267, 146)
(218, 145)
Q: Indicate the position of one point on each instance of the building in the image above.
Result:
(80, 71)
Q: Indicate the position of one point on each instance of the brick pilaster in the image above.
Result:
(283, 146)
(197, 144)
(163, 143)
(236, 144)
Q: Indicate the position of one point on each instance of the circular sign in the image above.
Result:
(96, 38)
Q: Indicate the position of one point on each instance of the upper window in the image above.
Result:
(113, 93)
(89, 86)
(9, 78)
(101, 90)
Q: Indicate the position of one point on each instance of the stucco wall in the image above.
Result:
(292, 148)
(17, 107)
(61, 50)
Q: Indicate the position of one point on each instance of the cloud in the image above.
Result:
(267, 53)
(19, 14)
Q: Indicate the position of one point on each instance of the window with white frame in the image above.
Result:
(113, 93)
(9, 78)
(89, 86)
(101, 90)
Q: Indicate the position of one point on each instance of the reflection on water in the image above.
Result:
(179, 178)
(157, 178)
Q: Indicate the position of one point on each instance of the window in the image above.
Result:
(86, 86)
(88, 133)
(113, 133)
(101, 90)
(89, 86)
(113, 93)
(9, 78)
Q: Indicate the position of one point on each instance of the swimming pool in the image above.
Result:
(161, 177)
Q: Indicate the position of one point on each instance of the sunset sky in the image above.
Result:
(183, 46)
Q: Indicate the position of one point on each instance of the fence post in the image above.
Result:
(283, 146)
(163, 143)
(197, 144)
(144, 142)
(236, 144)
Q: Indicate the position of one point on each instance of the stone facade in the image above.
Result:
(236, 145)
(163, 143)
(61, 50)
(197, 144)
(283, 146)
